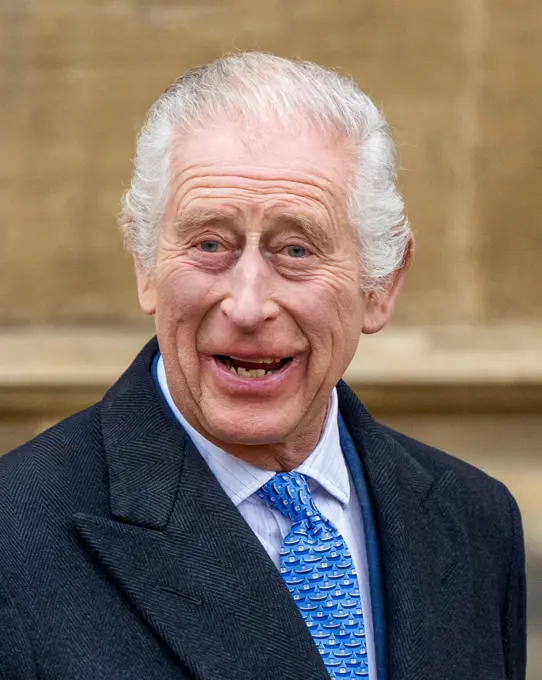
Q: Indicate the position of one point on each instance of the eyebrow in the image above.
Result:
(307, 225)
(195, 219)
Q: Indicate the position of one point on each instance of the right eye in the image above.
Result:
(297, 251)
(209, 246)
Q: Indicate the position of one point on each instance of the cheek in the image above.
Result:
(331, 317)
(332, 305)
(184, 295)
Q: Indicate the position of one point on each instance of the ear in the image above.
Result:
(146, 289)
(381, 303)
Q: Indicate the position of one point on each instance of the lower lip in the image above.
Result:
(267, 384)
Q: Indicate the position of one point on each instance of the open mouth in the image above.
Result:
(255, 368)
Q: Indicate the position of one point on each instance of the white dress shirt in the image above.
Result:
(331, 487)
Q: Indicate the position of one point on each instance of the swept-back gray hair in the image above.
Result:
(251, 87)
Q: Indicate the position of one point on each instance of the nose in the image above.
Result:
(247, 304)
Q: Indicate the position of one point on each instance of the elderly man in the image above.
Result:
(229, 510)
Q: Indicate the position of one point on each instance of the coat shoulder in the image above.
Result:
(63, 462)
(487, 498)
(435, 460)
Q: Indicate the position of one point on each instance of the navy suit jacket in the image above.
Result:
(121, 557)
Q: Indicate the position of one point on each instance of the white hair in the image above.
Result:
(251, 87)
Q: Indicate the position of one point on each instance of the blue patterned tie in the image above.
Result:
(317, 567)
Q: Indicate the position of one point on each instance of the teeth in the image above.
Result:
(253, 373)
(256, 361)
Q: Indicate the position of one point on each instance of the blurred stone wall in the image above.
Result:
(461, 86)
(460, 83)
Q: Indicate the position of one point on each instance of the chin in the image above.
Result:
(250, 429)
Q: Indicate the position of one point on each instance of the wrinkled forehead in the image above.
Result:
(266, 156)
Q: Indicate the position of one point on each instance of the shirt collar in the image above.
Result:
(239, 479)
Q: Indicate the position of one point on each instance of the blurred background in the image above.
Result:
(461, 85)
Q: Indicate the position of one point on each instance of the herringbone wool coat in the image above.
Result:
(122, 558)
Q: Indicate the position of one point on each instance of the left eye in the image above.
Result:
(296, 251)
(209, 246)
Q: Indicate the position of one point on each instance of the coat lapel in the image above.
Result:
(182, 554)
(424, 551)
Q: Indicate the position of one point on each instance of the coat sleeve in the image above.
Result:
(17, 660)
(514, 612)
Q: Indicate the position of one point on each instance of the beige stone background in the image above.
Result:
(461, 84)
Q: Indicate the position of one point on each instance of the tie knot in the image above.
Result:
(289, 493)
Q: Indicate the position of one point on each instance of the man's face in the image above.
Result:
(257, 290)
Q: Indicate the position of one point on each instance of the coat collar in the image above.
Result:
(144, 452)
(180, 551)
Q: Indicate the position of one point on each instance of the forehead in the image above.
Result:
(263, 168)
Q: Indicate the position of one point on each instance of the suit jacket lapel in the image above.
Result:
(423, 548)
